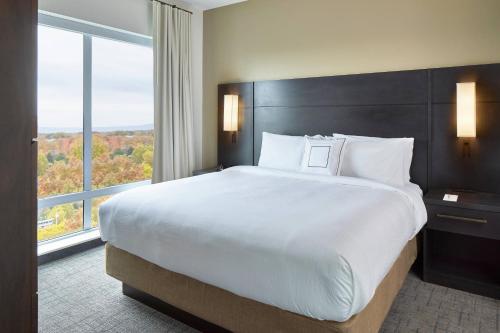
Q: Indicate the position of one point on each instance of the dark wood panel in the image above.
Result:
(239, 152)
(405, 87)
(450, 168)
(382, 121)
(487, 78)
(298, 106)
(18, 165)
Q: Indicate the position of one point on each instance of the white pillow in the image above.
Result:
(387, 160)
(323, 155)
(281, 151)
(406, 146)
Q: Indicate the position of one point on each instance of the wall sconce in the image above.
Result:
(231, 115)
(466, 113)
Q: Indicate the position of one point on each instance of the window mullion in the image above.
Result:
(87, 127)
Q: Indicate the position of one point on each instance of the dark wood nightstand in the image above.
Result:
(208, 170)
(462, 241)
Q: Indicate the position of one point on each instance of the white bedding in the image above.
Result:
(311, 244)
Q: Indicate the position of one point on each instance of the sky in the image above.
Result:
(122, 81)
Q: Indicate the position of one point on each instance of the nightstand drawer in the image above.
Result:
(464, 221)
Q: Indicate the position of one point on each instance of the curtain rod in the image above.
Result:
(173, 6)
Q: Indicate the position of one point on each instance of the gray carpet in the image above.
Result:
(75, 295)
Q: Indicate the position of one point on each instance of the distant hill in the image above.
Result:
(46, 130)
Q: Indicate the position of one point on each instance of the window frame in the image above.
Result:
(88, 30)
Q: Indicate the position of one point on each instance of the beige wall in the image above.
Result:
(273, 39)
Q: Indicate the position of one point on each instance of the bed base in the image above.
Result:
(171, 311)
(211, 309)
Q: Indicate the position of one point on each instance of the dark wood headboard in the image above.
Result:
(418, 104)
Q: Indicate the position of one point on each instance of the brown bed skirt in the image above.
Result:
(239, 314)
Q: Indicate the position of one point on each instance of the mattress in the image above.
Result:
(314, 245)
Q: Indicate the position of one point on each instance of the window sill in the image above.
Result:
(60, 248)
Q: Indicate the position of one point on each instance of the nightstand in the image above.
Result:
(208, 170)
(462, 241)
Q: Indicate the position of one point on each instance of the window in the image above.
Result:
(95, 120)
(122, 112)
(60, 112)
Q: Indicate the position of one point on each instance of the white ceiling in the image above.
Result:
(209, 4)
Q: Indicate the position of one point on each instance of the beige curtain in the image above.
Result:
(173, 128)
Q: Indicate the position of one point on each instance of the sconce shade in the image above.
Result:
(466, 110)
(231, 113)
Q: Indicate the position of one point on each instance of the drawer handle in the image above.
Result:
(461, 218)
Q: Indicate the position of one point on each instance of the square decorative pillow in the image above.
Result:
(323, 156)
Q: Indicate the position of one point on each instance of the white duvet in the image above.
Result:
(311, 244)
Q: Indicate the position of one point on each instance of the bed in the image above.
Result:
(259, 249)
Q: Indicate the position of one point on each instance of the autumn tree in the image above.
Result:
(117, 158)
